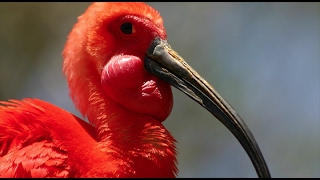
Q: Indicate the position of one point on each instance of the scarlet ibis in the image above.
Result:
(119, 68)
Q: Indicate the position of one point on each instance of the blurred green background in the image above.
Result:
(263, 58)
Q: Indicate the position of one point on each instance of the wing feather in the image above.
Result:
(27, 148)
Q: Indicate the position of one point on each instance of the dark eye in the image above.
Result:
(126, 28)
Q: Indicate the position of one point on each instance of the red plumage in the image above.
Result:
(119, 69)
(28, 148)
(38, 139)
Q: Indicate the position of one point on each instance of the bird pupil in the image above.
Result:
(126, 28)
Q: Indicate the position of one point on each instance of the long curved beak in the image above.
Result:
(162, 61)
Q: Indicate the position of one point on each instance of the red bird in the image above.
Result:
(119, 68)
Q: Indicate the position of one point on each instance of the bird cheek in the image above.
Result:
(123, 72)
(125, 80)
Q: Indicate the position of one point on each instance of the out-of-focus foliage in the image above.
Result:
(263, 58)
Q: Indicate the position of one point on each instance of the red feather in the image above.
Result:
(125, 137)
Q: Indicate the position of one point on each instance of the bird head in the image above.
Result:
(107, 46)
(119, 52)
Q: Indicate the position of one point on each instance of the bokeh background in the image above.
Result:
(263, 58)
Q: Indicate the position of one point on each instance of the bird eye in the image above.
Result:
(127, 28)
